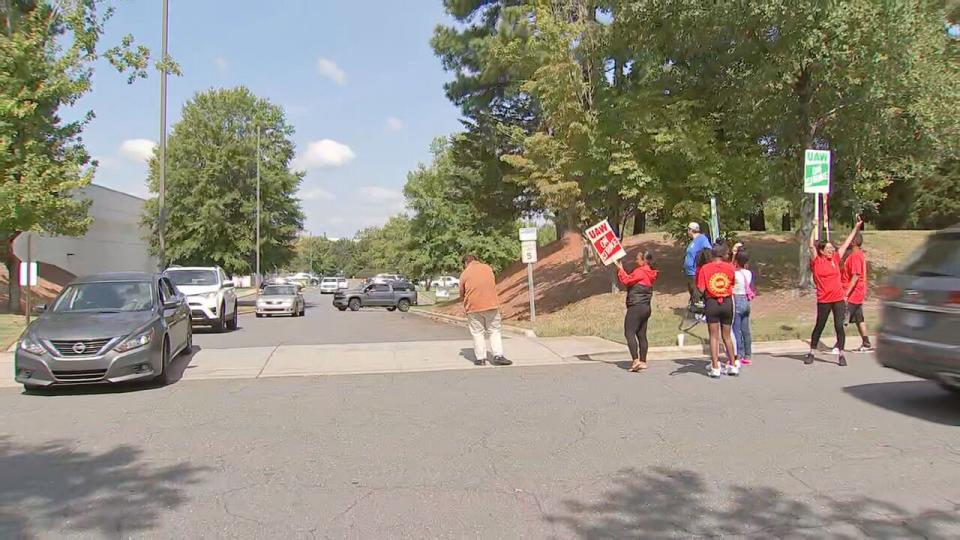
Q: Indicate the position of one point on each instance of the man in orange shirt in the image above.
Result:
(478, 292)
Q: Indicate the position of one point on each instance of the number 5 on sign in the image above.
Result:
(816, 171)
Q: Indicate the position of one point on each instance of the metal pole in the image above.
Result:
(163, 140)
(258, 206)
(533, 307)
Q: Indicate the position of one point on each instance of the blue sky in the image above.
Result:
(361, 86)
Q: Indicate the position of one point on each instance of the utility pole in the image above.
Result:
(163, 138)
(258, 206)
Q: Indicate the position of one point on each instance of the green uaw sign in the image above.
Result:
(816, 171)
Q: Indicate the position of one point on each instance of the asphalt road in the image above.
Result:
(324, 324)
(586, 451)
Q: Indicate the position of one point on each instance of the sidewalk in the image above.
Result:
(408, 357)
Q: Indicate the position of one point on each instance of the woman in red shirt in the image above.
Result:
(715, 281)
(639, 285)
(826, 269)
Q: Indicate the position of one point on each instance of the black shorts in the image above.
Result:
(719, 313)
(856, 313)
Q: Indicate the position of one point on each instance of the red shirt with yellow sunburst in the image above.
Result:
(716, 279)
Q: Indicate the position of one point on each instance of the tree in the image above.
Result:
(445, 225)
(211, 184)
(47, 52)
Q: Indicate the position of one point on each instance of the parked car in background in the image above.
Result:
(281, 300)
(106, 328)
(445, 282)
(329, 285)
(386, 278)
(342, 284)
(211, 295)
(396, 295)
(920, 329)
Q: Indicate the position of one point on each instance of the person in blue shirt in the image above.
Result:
(698, 243)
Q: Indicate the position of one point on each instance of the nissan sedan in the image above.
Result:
(106, 328)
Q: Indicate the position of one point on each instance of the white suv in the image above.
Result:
(211, 295)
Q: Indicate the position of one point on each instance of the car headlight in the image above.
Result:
(31, 345)
(137, 341)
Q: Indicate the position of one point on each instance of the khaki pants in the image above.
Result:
(483, 324)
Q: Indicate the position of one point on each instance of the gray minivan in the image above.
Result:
(920, 331)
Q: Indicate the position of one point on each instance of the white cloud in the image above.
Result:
(394, 124)
(324, 153)
(222, 64)
(382, 194)
(316, 194)
(137, 149)
(329, 69)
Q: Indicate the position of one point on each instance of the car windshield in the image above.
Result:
(105, 297)
(279, 290)
(939, 257)
(192, 277)
(329, 280)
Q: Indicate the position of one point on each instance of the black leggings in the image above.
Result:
(635, 330)
(823, 312)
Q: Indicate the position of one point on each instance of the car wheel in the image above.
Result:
(221, 323)
(354, 304)
(165, 377)
(303, 310)
(952, 389)
(232, 325)
(392, 308)
(403, 305)
(188, 348)
(341, 309)
(259, 315)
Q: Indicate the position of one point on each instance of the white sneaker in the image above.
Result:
(733, 369)
(713, 373)
(834, 351)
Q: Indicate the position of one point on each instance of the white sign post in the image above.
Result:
(816, 179)
(28, 274)
(528, 255)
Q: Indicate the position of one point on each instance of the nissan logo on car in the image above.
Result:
(79, 347)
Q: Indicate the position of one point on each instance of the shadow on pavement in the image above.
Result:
(663, 502)
(179, 366)
(920, 399)
(54, 487)
(801, 357)
(697, 367)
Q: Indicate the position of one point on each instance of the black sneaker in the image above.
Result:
(843, 361)
(480, 362)
(808, 359)
(500, 361)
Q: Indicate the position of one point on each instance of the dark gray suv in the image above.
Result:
(920, 331)
(106, 328)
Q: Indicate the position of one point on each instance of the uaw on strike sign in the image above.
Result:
(605, 241)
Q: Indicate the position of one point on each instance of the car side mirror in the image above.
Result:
(172, 304)
(228, 284)
(39, 308)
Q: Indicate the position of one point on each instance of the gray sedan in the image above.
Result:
(281, 300)
(106, 328)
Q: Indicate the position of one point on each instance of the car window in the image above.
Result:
(192, 277)
(167, 290)
(938, 257)
(223, 277)
(381, 287)
(105, 297)
(279, 290)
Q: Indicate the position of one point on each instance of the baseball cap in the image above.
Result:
(693, 226)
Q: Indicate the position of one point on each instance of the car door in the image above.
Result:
(229, 293)
(172, 316)
(380, 295)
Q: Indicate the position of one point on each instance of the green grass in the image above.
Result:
(11, 327)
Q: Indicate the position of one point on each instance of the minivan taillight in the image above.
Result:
(953, 299)
(889, 292)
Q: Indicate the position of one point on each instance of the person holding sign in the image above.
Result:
(826, 268)
(715, 280)
(639, 284)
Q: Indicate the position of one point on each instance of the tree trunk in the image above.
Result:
(758, 221)
(13, 274)
(785, 222)
(805, 280)
(639, 222)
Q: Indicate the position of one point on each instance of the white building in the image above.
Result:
(115, 241)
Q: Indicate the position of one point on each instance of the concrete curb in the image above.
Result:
(462, 321)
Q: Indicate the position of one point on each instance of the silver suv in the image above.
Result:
(920, 332)
(211, 295)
